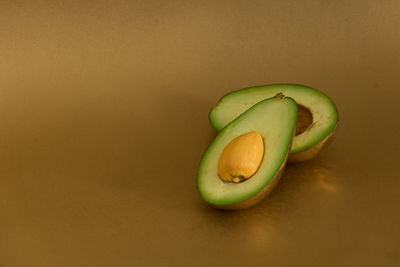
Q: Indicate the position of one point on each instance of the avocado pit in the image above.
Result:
(241, 157)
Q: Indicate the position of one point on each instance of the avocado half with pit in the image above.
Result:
(317, 121)
(246, 159)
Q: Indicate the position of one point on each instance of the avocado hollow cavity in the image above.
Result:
(304, 119)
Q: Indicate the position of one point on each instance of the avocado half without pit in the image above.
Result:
(246, 159)
(317, 120)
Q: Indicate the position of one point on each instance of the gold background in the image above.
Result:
(103, 121)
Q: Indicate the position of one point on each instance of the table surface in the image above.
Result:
(104, 118)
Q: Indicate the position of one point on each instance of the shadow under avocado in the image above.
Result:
(299, 181)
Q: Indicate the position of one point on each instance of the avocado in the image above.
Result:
(317, 121)
(274, 119)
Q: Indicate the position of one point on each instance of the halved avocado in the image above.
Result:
(317, 120)
(275, 120)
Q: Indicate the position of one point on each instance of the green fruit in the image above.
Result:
(275, 120)
(317, 117)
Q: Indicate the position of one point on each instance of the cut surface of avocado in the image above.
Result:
(275, 120)
(317, 117)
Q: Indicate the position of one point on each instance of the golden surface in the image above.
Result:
(103, 121)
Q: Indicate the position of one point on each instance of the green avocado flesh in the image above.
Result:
(323, 113)
(275, 120)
